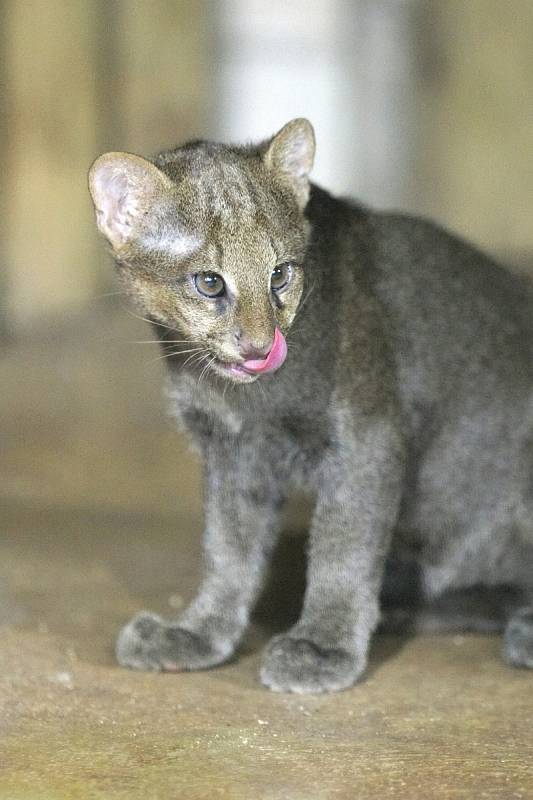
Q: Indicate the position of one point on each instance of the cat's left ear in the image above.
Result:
(290, 155)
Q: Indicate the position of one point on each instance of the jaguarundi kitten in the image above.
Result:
(378, 361)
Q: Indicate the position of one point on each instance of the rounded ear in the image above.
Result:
(290, 155)
(123, 188)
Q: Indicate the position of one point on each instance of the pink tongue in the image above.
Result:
(274, 359)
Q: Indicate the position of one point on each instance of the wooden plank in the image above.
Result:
(164, 49)
(83, 78)
(478, 107)
(50, 246)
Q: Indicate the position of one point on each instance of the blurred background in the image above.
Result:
(424, 105)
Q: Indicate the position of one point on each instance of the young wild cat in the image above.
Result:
(404, 401)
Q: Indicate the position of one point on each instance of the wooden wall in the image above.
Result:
(80, 77)
(475, 105)
(83, 76)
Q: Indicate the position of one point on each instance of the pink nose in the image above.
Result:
(250, 352)
(274, 358)
(250, 349)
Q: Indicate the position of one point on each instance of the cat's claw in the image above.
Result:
(301, 666)
(147, 642)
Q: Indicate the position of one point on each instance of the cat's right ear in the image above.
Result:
(124, 187)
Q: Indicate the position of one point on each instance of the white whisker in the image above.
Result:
(180, 352)
(194, 359)
(164, 341)
(163, 356)
(206, 369)
(145, 319)
(306, 298)
(108, 294)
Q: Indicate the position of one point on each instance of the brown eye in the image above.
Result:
(209, 284)
(280, 277)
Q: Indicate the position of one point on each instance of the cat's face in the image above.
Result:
(210, 241)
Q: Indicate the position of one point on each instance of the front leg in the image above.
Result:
(357, 506)
(243, 496)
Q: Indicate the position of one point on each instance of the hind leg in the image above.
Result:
(477, 609)
(518, 633)
(518, 638)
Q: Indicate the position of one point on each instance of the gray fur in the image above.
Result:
(405, 405)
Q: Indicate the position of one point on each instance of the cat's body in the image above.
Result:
(405, 403)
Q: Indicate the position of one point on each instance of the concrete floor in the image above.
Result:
(100, 517)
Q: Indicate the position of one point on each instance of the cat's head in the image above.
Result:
(210, 240)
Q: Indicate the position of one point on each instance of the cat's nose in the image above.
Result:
(253, 349)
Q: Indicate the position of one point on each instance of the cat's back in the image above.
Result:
(460, 326)
(419, 261)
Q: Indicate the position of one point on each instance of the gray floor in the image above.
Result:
(100, 517)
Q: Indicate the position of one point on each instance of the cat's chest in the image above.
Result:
(201, 409)
(301, 431)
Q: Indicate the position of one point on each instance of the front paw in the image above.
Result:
(150, 643)
(299, 665)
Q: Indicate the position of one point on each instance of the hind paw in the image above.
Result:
(518, 639)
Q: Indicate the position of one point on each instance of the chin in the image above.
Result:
(232, 373)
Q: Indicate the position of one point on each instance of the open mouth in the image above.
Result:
(252, 369)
